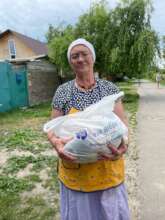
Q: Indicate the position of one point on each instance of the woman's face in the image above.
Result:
(81, 59)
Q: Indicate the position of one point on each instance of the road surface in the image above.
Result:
(151, 145)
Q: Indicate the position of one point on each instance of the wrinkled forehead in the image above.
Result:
(79, 48)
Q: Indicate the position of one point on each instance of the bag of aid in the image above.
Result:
(91, 129)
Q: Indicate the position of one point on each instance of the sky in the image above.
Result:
(32, 17)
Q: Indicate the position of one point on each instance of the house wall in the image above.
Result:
(22, 51)
(42, 81)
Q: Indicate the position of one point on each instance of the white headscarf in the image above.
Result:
(83, 42)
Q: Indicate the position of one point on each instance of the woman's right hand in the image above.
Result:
(58, 145)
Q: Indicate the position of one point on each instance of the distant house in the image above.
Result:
(14, 45)
(27, 77)
(27, 82)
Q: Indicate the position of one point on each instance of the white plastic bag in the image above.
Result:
(91, 129)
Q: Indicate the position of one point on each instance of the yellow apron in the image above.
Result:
(92, 176)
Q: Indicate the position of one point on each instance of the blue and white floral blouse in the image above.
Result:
(68, 95)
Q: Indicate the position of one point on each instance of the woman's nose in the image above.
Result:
(80, 57)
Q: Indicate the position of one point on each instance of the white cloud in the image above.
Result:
(158, 17)
(32, 17)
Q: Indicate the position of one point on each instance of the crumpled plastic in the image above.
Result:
(92, 129)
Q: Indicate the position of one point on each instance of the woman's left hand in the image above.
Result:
(116, 153)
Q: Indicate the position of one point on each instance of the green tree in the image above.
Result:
(52, 32)
(58, 45)
(124, 41)
(163, 41)
(91, 26)
(132, 43)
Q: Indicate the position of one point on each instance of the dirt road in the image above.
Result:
(151, 145)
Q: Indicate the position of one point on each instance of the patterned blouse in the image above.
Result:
(68, 95)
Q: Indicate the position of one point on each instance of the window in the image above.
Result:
(12, 50)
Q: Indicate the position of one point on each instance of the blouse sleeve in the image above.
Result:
(111, 88)
(114, 89)
(59, 100)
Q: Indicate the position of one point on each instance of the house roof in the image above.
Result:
(36, 46)
(28, 59)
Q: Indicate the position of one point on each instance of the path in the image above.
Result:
(151, 144)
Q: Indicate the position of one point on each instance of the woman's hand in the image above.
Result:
(58, 145)
(116, 153)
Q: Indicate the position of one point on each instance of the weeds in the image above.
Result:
(25, 139)
(12, 185)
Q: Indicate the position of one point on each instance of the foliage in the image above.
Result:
(24, 139)
(135, 43)
(12, 208)
(58, 44)
(37, 111)
(163, 39)
(124, 41)
(91, 26)
(12, 185)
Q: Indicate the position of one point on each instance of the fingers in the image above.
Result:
(108, 157)
(54, 139)
(59, 147)
(118, 151)
(66, 140)
(66, 156)
(58, 144)
(122, 148)
(51, 136)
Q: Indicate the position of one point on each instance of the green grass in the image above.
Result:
(17, 115)
(36, 208)
(50, 183)
(27, 139)
(15, 164)
(152, 77)
(21, 130)
(12, 185)
(11, 188)
(163, 82)
(130, 101)
(12, 208)
(42, 162)
(33, 178)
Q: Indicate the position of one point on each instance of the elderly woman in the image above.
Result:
(93, 191)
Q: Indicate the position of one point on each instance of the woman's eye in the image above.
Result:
(76, 56)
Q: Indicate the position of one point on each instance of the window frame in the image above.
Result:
(9, 47)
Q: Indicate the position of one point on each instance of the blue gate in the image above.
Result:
(13, 86)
